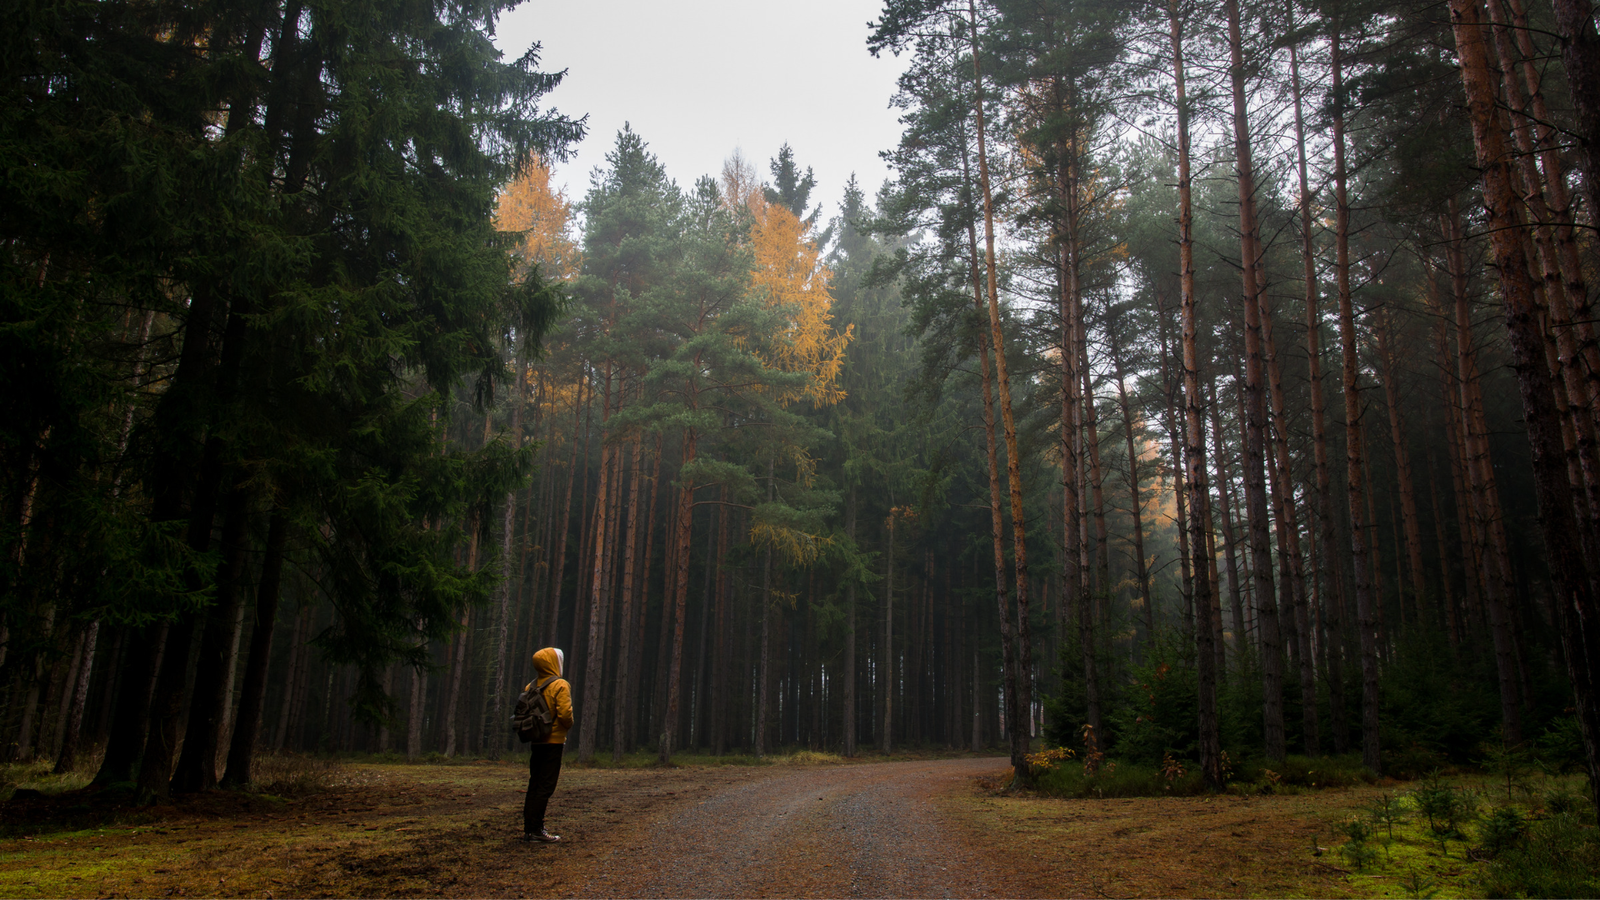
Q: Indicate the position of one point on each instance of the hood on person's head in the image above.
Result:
(549, 662)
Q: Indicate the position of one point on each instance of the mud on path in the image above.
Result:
(904, 829)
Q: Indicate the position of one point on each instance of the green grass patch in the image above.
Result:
(37, 776)
(1455, 837)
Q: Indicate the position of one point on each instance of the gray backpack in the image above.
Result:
(534, 720)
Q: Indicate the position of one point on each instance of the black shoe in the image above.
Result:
(540, 837)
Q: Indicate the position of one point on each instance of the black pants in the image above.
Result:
(544, 769)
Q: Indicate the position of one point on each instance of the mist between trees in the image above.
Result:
(1270, 325)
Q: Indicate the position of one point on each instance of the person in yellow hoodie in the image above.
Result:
(544, 766)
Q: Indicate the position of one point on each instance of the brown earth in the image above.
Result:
(916, 829)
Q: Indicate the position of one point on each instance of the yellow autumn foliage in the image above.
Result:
(794, 546)
(789, 277)
(544, 216)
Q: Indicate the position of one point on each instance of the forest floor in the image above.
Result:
(918, 828)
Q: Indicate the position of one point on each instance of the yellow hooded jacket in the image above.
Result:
(558, 693)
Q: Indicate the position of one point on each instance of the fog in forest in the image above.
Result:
(1190, 387)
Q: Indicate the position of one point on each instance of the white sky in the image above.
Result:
(697, 79)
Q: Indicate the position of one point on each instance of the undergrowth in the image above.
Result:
(1063, 773)
(1485, 836)
(37, 776)
(292, 774)
(1112, 780)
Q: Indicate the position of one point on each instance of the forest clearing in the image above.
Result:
(807, 827)
(1203, 413)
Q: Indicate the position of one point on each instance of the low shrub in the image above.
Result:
(1385, 812)
(1562, 801)
(1114, 779)
(1561, 745)
(1558, 857)
(1500, 831)
(1445, 806)
(1356, 850)
(1259, 775)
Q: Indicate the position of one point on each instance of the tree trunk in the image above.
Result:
(1225, 496)
(1255, 487)
(1580, 57)
(764, 660)
(167, 707)
(631, 701)
(1580, 631)
(197, 766)
(1180, 492)
(495, 711)
(1402, 461)
(252, 698)
(721, 670)
(1550, 144)
(130, 720)
(1323, 505)
(565, 522)
(850, 630)
(996, 516)
(458, 665)
(679, 594)
(1018, 694)
(1075, 571)
(886, 646)
(297, 638)
(1492, 547)
(699, 709)
(599, 587)
(1135, 495)
(1090, 436)
(1297, 626)
(587, 513)
(1366, 613)
(1194, 435)
(414, 715)
(72, 725)
(626, 625)
(1564, 291)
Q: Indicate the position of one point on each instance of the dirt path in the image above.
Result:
(851, 831)
(929, 828)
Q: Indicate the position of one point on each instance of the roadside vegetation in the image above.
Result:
(1516, 824)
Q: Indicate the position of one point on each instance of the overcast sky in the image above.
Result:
(697, 79)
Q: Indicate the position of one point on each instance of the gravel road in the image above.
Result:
(834, 831)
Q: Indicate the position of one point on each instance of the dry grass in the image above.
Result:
(1289, 844)
(810, 758)
(366, 830)
(295, 775)
(1216, 846)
